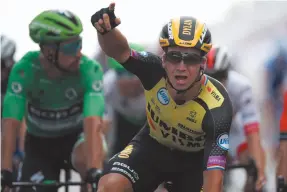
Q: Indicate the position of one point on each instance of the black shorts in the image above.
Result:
(147, 164)
(124, 132)
(45, 157)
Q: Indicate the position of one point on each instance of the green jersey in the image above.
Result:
(53, 107)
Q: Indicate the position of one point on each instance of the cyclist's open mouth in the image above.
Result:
(181, 79)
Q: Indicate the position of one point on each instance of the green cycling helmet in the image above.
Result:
(55, 26)
(113, 64)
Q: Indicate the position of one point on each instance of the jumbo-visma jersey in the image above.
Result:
(202, 123)
(179, 126)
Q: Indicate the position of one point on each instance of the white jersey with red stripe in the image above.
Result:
(132, 109)
(246, 115)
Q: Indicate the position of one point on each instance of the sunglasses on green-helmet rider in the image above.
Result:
(70, 48)
(175, 57)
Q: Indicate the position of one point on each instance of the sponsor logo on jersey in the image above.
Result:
(126, 170)
(97, 85)
(181, 126)
(71, 94)
(215, 95)
(223, 141)
(157, 108)
(16, 87)
(60, 114)
(192, 116)
(124, 154)
(216, 162)
(174, 134)
(162, 96)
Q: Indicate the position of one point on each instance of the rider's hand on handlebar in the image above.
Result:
(93, 175)
(6, 179)
(105, 20)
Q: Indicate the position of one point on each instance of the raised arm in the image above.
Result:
(111, 40)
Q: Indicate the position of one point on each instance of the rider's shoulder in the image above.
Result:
(88, 65)
(26, 63)
(214, 94)
(27, 59)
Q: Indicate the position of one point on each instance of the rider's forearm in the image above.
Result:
(255, 150)
(21, 135)
(115, 45)
(8, 146)
(213, 180)
(94, 144)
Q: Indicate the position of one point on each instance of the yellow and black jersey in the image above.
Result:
(199, 124)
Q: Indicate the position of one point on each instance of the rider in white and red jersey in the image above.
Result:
(244, 142)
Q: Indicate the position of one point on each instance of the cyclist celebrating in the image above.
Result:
(60, 92)
(188, 113)
(125, 103)
(244, 133)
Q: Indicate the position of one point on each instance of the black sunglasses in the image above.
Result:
(175, 57)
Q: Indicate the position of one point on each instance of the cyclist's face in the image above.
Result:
(129, 86)
(182, 66)
(69, 53)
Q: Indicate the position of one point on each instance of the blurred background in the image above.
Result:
(254, 31)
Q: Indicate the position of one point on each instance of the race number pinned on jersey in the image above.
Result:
(223, 141)
(97, 85)
(16, 87)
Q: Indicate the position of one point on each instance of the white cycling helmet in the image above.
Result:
(8, 47)
(217, 60)
(218, 63)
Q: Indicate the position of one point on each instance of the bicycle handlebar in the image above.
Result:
(250, 168)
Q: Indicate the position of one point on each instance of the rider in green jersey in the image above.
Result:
(59, 93)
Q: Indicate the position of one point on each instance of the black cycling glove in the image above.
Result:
(93, 175)
(6, 179)
(99, 15)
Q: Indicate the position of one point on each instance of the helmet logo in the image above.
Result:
(203, 34)
(187, 27)
(185, 30)
(170, 36)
